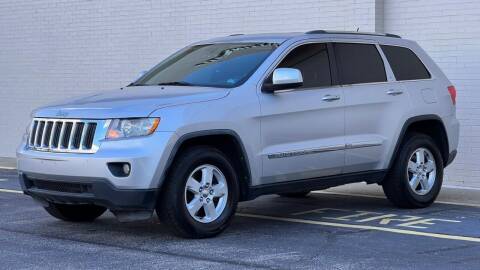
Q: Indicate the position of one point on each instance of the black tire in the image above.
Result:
(396, 184)
(301, 194)
(171, 207)
(75, 213)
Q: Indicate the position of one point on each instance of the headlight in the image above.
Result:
(132, 127)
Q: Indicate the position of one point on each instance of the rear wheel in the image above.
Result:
(416, 177)
(75, 212)
(302, 194)
(201, 195)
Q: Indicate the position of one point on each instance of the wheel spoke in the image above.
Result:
(209, 188)
(193, 185)
(421, 171)
(219, 190)
(194, 206)
(414, 182)
(424, 184)
(430, 166)
(210, 211)
(207, 175)
(420, 156)
(412, 166)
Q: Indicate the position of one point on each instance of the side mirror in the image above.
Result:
(284, 78)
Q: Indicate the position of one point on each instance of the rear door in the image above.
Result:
(303, 128)
(374, 104)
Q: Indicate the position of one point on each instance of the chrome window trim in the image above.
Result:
(432, 75)
(306, 89)
(282, 56)
(388, 70)
(384, 61)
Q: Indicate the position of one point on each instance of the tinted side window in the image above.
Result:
(312, 61)
(359, 63)
(405, 63)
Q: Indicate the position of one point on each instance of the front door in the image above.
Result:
(303, 129)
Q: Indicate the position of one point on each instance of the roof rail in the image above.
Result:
(392, 35)
(317, 32)
(352, 33)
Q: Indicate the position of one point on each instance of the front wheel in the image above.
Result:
(416, 177)
(201, 194)
(75, 212)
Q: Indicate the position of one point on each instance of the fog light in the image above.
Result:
(120, 169)
(126, 168)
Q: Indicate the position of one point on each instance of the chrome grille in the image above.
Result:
(66, 135)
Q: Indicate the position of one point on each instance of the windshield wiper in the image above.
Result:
(175, 83)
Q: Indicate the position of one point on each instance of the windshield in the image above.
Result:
(213, 65)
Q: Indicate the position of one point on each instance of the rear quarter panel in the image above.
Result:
(429, 96)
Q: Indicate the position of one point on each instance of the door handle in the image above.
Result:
(330, 98)
(393, 92)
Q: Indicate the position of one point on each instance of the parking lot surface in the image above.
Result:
(327, 230)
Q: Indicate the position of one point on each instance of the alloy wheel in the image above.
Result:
(206, 193)
(421, 171)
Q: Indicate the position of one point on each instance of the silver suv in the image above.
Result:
(232, 118)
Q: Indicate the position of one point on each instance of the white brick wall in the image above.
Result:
(54, 49)
(450, 32)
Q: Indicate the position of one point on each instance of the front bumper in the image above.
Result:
(74, 178)
(147, 157)
(98, 191)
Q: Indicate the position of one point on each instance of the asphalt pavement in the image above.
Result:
(340, 228)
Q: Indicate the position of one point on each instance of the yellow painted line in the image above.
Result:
(11, 191)
(383, 197)
(364, 227)
(340, 225)
(319, 192)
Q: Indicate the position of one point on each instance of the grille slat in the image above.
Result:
(88, 138)
(67, 132)
(39, 134)
(33, 132)
(56, 134)
(47, 134)
(66, 135)
(77, 135)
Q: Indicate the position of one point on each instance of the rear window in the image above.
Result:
(359, 63)
(405, 63)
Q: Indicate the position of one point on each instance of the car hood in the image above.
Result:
(138, 101)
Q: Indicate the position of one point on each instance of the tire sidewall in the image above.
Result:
(413, 144)
(182, 173)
